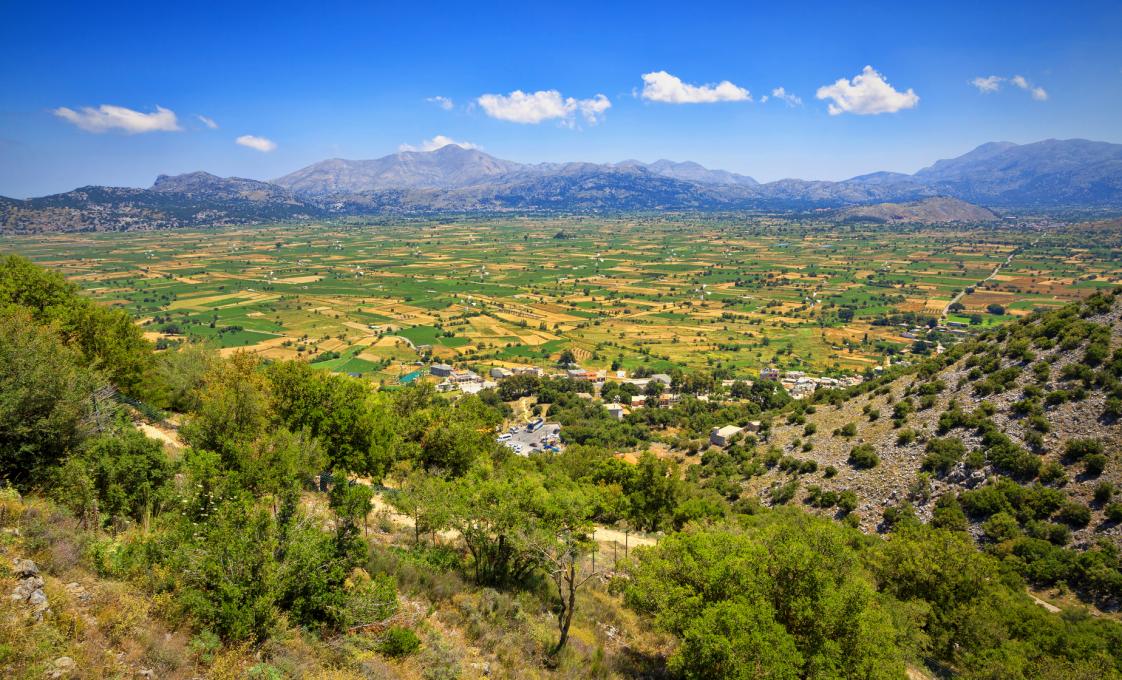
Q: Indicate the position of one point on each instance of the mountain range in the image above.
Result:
(1043, 175)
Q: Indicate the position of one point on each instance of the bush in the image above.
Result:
(398, 642)
(785, 492)
(1001, 527)
(1104, 491)
(863, 457)
(830, 471)
(1094, 464)
(1077, 449)
(1074, 514)
(1114, 512)
(943, 454)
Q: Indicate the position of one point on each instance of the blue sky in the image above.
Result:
(307, 81)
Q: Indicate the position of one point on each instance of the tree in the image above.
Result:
(108, 339)
(235, 406)
(564, 535)
(491, 511)
(129, 472)
(424, 499)
(46, 399)
(183, 372)
(652, 492)
(354, 427)
(785, 597)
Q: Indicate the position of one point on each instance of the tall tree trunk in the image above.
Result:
(568, 604)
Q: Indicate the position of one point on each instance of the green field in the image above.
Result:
(732, 294)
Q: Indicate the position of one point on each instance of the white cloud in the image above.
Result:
(993, 84)
(791, 99)
(1037, 93)
(209, 122)
(437, 142)
(987, 84)
(868, 93)
(108, 117)
(257, 143)
(535, 107)
(660, 86)
(443, 102)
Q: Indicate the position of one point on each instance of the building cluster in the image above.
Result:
(797, 383)
(468, 382)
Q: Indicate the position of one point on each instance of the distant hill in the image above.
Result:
(691, 172)
(1020, 416)
(448, 167)
(1049, 174)
(938, 210)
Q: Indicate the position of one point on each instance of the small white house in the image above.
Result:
(615, 411)
(722, 436)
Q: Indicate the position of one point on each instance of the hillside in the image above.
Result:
(937, 210)
(1036, 403)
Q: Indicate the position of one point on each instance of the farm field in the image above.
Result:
(734, 293)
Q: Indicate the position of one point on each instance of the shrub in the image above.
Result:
(1076, 449)
(785, 492)
(1094, 464)
(1074, 514)
(1053, 472)
(1114, 512)
(1001, 527)
(948, 514)
(943, 454)
(1104, 491)
(863, 456)
(398, 642)
(905, 437)
(830, 471)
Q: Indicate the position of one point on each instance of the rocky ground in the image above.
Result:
(899, 469)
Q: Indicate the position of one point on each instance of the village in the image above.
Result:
(655, 391)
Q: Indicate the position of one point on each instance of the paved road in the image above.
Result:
(995, 272)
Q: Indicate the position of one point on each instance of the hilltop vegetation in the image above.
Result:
(265, 548)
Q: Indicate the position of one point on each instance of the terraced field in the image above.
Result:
(736, 294)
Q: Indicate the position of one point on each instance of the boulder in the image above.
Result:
(62, 667)
(25, 568)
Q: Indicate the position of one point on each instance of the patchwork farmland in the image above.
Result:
(735, 294)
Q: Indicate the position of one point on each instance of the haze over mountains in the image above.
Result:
(1003, 175)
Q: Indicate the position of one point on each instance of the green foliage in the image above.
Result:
(863, 456)
(106, 338)
(398, 642)
(46, 396)
(942, 454)
(129, 472)
(787, 594)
